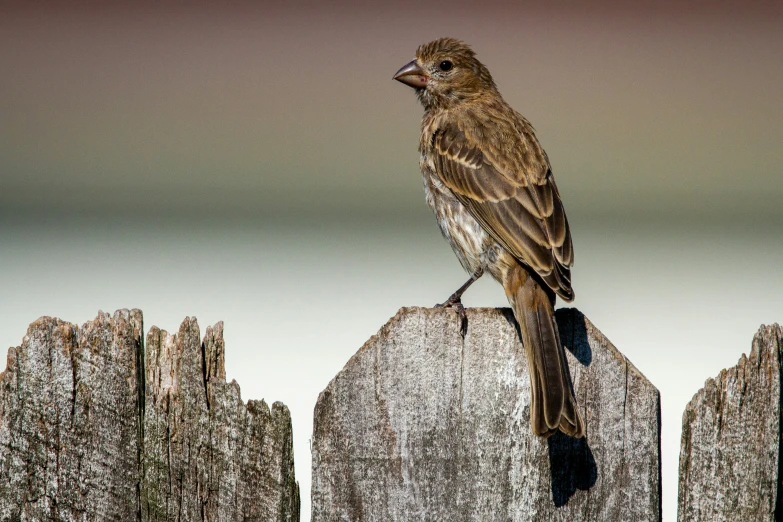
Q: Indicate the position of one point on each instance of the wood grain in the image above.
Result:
(730, 453)
(93, 427)
(423, 425)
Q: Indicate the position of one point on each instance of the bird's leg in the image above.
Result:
(455, 301)
(456, 297)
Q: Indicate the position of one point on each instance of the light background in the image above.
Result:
(255, 163)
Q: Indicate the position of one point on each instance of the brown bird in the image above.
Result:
(490, 185)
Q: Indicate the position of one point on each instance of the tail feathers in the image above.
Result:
(553, 405)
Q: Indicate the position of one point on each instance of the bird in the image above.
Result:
(490, 184)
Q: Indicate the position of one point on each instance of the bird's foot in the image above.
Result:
(455, 303)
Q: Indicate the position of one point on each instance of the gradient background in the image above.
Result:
(255, 163)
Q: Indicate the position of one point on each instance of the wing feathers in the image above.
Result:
(504, 189)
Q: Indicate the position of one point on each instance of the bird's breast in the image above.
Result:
(473, 247)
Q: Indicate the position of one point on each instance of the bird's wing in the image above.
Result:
(510, 190)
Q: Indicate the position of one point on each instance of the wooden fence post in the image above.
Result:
(93, 427)
(730, 455)
(423, 425)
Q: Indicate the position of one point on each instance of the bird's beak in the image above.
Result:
(413, 75)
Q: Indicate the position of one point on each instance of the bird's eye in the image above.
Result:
(445, 65)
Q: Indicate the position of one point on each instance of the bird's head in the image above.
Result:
(445, 73)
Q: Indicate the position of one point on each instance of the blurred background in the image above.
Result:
(255, 163)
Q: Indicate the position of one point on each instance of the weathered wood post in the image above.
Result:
(423, 425)
(730, 457)
(92, 427)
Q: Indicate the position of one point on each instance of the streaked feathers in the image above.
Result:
(490, 184)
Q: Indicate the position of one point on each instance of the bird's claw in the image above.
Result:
(455, 303)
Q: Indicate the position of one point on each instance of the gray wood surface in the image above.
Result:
(730, 466)
(423, 425)
(92, 429)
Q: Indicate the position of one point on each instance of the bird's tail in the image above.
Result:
(553, 404)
